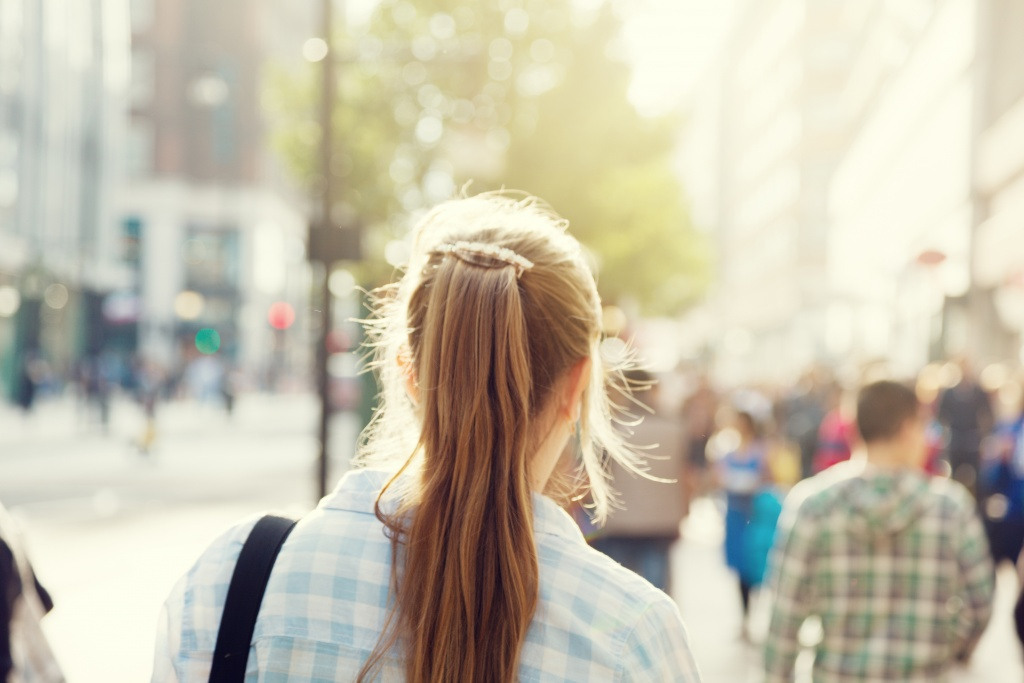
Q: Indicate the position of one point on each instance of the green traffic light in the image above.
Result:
(208, 341)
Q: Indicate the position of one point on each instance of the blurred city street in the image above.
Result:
(110, 530)
(783, 201)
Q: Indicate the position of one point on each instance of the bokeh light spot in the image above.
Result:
(314, 49)
(208, 341)
(10, 301)
(281, 315)
(189, 305)
(56, 296)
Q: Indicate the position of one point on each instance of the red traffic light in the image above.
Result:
(281, 315)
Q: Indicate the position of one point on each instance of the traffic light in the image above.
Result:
(281, 315)
(207, 341)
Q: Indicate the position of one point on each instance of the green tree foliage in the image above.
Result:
(523, 94)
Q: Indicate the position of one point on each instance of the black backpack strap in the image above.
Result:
(1018, 615)
(248, 583)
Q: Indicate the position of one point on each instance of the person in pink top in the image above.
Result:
(835, 435)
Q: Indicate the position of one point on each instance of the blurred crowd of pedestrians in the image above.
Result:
(760, 453)
(97, 379)
(753, 449)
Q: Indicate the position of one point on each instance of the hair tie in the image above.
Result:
(486, 255)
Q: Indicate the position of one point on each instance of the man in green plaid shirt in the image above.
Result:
(894, 562)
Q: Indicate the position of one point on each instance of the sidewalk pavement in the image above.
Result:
(110, 531)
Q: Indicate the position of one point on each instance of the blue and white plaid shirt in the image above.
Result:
(327, 599)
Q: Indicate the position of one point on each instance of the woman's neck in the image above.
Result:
(549, 452)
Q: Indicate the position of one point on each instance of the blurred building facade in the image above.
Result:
(220, 237)
(863, 191)
(761, 148)
(64, 68)
(997, 254)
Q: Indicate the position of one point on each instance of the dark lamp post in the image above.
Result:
(328, 242)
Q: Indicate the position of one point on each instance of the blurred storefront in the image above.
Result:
(217, 259)
(63, 79)
(219, 235)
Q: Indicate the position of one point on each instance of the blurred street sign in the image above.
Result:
(330, 243)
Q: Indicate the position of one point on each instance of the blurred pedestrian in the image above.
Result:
(440, 558)
(1001, 488)
(640, 532)
(99, 375)
(25, 654)
(27, 382)
(203, 379)
(1018, 607)
(965, 410)
(699, 410)
(230, 381)
(893, 561)
(801, 412)
(837, 432)
(149, 385)
(743, 473)
(934, 432)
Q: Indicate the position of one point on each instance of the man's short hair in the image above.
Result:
(883, 408)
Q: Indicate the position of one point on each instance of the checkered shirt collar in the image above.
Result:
(358, 489)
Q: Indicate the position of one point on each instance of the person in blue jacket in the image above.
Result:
(743, 474)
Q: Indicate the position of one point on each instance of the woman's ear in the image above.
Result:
(409, 373)
(576, 382)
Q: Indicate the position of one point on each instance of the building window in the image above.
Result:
(8, 180)
(11, 37)
(212, 264)
(142, 15)
(140, 144)
(143, 78)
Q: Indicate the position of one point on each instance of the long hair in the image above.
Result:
(485, 341)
